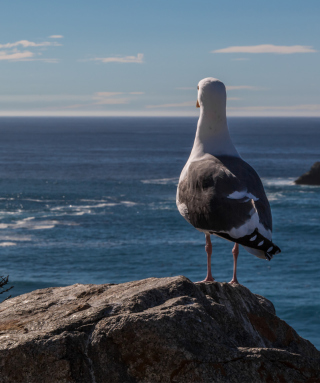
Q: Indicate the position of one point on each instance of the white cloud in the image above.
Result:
(237, 87)
(9, 51)
(106, 94)
(267, 48)
(178, 105)
(47, 98)
(15, 56)
(107, 98)
(28, 44)
(56, 37)
(127, 59)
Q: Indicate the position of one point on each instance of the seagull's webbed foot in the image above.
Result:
(209, 278)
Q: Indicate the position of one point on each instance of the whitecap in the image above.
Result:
(5, 244)
(278, 181)
(11, 238)
(29, 224)
(128, 203)
(162, 181)
(274, 196)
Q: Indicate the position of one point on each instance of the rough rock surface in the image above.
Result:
(312, 177)
(153, 330)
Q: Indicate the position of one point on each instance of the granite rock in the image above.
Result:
(312, 177)
(153, 330)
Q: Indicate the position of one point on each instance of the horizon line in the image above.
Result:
(155, 115)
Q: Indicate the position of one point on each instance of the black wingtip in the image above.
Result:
(268, 256)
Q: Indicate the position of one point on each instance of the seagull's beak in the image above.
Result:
(197, 105)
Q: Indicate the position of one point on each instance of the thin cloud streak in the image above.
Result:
(178, 105)
(36, 98)
(238, 87)
(56, 37)
(28, 44)
(106, 98)
(182, 104)
(127, 59)
(267, 48)
(310, 107)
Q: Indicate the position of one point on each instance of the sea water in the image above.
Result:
(92, 200)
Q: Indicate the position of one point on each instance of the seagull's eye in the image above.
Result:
(198, 87)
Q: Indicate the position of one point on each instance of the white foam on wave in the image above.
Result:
(128, 203)
(6, 244)
(162, 181)
(4, 212)
(96, 200)
(278, 181)
(20, 238)
(31, 224)
(37, 200)
(274, 196)
(86, 209)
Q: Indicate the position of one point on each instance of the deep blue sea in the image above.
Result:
(92, 200)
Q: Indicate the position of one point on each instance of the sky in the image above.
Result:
(145, 58)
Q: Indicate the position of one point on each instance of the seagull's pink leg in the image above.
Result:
(209, 277)
(235, 252)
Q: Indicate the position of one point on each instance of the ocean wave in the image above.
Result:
(162, 181)
(274, 196)
(36, 200)
(29, 224)
(10, 238)
(78, 209)
(128, 203)
(6, 244)
(278, 181)
(95, 200)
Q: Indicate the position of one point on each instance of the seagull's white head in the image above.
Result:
(212, 96)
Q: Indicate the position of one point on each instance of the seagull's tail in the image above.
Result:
(256, 244)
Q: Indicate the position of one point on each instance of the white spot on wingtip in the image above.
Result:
(270, 249)
(261, 243)
(253, 238)
(277, 252)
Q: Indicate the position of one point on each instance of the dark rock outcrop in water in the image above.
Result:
(153, 330)
(312, 177)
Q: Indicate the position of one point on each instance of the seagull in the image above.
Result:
(218, 192)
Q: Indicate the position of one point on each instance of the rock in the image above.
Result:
(312, 177)
(153, 330)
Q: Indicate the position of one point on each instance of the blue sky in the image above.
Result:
(146, 57)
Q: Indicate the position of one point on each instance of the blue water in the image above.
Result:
(92, 200)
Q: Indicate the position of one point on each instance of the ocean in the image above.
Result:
(92, 200)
